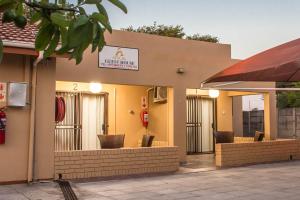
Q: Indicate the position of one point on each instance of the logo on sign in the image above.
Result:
(118, 58)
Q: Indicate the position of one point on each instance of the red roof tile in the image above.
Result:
(10, 32)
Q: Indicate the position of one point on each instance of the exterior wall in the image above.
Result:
(239, 154)
(120, 121)
(14, 153)
(44, 121)
(224, 112)
(237, 115)
(17, 68)
(116, 162)
(159, 59)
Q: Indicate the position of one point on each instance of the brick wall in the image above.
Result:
(238, 154)
(243, 139)
(155, 143)
(116, 162)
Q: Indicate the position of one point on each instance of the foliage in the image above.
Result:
(62, 27)
(288, 99)
(171, 31)
(162, 30)
(207, 38)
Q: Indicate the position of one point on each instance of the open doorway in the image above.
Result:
(248, 114)
(199, 130)
(199, 126)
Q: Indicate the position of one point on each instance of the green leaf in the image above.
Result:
(119, 4)
(59, 19)
(103, 20)
(81, 20)
(82, 35)
(64, 36)
(96, 39)
(92, 1)
(35, 17)
(53, 44)
(101, 9)
(20, 9)
(3, 2)
(1, 50)
(6, 4)
(44, 36)
(82, 11)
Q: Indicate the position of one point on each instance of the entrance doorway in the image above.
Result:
(199, 126)
(85, 118)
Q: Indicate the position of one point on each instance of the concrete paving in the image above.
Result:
(269, 181)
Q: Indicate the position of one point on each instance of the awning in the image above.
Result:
(279, 64)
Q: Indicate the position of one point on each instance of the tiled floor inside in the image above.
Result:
(198, 163)
(259, 182)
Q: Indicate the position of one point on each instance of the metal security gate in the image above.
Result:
(68, 133)
(199, 126)
(74, 132)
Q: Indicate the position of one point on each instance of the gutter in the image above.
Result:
(18, 44)
(31, 147)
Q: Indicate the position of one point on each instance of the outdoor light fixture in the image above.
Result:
(95, 87)
(213, 93)
(180, 70)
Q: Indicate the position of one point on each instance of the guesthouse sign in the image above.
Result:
(119, 58)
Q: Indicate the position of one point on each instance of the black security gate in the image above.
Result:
(199, 137)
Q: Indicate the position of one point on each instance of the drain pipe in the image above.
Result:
(30, 172)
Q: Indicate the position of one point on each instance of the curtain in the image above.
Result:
(92, 120)
(207, 121)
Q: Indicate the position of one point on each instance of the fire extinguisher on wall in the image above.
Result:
(145, 118)
(2, 126)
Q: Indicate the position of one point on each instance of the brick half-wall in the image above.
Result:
(239, 154)
(116, 162)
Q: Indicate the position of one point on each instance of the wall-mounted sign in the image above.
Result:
(119, 58)
(2, 92)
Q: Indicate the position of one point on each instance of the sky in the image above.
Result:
(251, 102)
(250, 26)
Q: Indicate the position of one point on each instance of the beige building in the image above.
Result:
(38, 148)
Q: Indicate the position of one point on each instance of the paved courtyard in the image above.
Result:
(269, 181)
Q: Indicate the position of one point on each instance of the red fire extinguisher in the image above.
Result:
(2, 126)
(145, 118)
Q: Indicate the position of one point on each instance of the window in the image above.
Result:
(253, 114)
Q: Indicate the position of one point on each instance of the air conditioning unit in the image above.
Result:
(160, 95)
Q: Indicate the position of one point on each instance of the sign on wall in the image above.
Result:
(119, 58)
(2, 92)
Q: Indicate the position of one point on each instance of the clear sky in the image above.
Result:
(250, 26)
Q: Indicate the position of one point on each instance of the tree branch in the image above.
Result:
(37, 5)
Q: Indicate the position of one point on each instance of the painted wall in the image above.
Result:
(224, 112)
(44, 124)
(237, 116)
(159, 57)
(124, 106)
(14, 153)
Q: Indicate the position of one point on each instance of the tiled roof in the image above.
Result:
(9, 32)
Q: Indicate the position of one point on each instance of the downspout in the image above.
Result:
(30, 172)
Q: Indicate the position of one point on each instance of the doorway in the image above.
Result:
(85, 118)
(199, 126)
